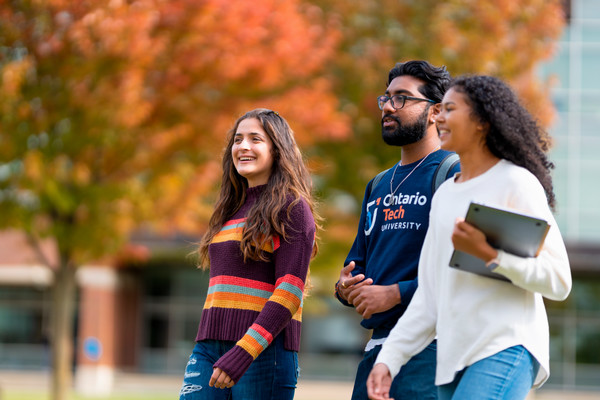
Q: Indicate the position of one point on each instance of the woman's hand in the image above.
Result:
(471, 240)
(220, 379)
(379, 383)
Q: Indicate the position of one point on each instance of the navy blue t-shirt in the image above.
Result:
(391, 232)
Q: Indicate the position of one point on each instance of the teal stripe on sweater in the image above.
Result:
(288, 287)
(258, 337)
(239, 290)
(233, 226)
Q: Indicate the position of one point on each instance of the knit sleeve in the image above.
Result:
(549, 272)
(291, 261)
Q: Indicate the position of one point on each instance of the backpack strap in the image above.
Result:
(443, 169)
(376, 180)
(439, 176)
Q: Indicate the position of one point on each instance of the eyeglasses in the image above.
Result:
(398, 100)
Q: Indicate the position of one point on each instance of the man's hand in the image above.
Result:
(467, 238)
(220, 379)
(347, 282)
(371, 299)
(379, 383)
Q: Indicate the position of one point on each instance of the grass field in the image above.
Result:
(154, 389)
(33, 395)
(146, 390)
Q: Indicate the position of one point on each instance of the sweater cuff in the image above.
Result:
(502, 259)
(392, 366)
(407, 290)
(235, 363)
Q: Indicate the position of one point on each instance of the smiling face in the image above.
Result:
(458, 128)
(409, 124)
(252, 152)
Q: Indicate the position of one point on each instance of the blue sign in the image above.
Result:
(92, 348)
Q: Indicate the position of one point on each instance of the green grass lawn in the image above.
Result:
(307, 390)
(33, 395)
(37, 395)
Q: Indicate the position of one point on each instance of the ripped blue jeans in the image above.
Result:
(273, 375)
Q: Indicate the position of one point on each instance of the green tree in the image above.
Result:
(114, 114)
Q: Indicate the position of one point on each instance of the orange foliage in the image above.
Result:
(148, 89)
(502, 38)
(505, 38)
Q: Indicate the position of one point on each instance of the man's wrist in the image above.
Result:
(399, 293)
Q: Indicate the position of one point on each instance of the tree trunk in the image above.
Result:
(64, 290)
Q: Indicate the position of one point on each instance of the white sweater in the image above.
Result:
(472, 316)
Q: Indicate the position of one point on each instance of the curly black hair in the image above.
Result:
(436, 79)
(513, 133)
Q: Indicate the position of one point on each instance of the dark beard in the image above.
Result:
(404, 134)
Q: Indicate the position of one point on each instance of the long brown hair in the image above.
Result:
(289, 178)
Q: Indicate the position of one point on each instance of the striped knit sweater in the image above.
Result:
(253, 302)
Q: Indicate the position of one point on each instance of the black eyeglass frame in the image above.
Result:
(382, 100)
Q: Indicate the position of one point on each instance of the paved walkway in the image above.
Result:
(307, 389)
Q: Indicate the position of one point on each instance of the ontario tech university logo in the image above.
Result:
(392, 211)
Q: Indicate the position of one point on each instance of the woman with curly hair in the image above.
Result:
(260, 240)
(493, 336)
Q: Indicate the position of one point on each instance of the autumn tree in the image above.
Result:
(505, 38)
(114, 114)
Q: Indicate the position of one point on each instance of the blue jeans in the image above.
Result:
(508, 374)
(416, 379)
(273, 375)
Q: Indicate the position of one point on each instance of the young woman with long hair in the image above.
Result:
(493, 335)
(260, 240)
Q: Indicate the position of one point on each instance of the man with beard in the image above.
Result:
(380, 273)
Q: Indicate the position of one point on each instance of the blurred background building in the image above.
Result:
(576, 94)
(143, 318)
